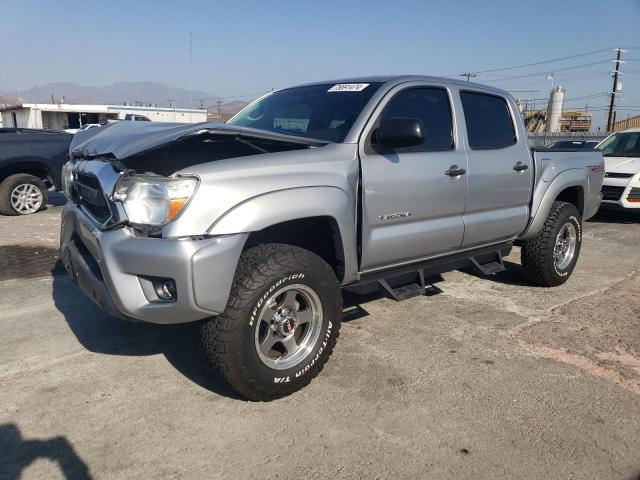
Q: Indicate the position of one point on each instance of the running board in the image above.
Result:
(403, 292)
(408, 281)
(489, 268)
(420, 287)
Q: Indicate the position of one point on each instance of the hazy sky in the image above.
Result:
(242, 47)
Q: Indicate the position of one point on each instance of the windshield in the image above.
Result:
(324, 112)
(621, 145)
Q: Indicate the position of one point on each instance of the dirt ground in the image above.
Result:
(492, 378)
(598, 333)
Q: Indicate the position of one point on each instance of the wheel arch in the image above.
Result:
(569, 186)
(319, 219)
(35, 166)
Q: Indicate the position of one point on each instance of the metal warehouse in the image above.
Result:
(60, 116)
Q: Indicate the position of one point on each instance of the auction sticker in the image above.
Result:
(348, 87)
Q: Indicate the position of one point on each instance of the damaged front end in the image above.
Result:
(127, 173)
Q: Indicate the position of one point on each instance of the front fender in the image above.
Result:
(547, 192)
(271, 208)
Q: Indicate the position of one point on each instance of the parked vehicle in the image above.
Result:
(136, 118)
(574, 144)
(621, 185)
(255, 225)
(30, 164)
(84, 127)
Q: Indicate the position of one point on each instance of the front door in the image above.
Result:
(412, 205)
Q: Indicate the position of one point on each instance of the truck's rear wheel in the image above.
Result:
(22, 194)
(280, 325)
(549, 258)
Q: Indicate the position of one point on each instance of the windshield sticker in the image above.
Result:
(348, 87)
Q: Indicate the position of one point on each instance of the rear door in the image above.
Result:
(411, 208)
(500, 172)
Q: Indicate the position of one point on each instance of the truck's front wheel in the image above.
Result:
(280, 325)
(549, 258)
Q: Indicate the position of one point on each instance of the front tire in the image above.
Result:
(281, 322)
(22, 194)
(549, 258)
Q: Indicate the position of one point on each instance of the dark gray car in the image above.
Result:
(30, 164)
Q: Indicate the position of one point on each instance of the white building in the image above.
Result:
(59, 116)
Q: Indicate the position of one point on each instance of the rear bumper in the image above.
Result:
(113, 267)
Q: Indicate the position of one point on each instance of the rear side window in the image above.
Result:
(432, 107)
(489, 122)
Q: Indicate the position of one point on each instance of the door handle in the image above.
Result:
(519, 167)
(455, 171)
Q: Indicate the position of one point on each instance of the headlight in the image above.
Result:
(67, 179)
(154, 201)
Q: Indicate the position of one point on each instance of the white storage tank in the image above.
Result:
(554, 110)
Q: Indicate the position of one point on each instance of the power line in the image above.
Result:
(536, 74)
(559, 59)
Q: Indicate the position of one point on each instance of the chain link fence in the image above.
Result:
(547, 138)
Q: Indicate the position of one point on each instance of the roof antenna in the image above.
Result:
(190, 74)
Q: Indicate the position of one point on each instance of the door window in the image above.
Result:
(432, 107)
(488, 120)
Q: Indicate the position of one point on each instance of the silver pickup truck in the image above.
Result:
(254, 226)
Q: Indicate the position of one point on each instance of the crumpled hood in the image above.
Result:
(126, 138)
(622, 164)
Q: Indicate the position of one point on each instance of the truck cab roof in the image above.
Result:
(393, 80)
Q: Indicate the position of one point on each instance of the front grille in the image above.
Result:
(634, 195)
(611, 193)
(91, 197)
(618, 175)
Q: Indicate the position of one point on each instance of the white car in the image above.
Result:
(621, 185)
(86, 126)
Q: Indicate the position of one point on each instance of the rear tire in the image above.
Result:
(22, 194)
(549, 258)
(280, 325)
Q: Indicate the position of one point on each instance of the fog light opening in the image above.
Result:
(165, 289)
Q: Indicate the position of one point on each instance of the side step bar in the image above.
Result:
(417, 279)
(491, 267)
(409, 290)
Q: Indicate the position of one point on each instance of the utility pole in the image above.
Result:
(219, 103)
(469, 75)
(614, 89)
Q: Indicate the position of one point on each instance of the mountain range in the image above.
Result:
(141, 93)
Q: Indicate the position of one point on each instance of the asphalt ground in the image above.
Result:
(492, 378)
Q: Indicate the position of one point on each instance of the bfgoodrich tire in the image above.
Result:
(22, 194)
(281, 322)
(549, 258)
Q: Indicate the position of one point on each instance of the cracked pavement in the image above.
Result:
(492, 378)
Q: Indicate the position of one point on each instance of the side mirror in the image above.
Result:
(398, 132)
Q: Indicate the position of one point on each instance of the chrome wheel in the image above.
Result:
(565, 246)
(289, 326)
(26, 198)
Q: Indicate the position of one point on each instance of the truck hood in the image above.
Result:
(126, 138)
(622, 164)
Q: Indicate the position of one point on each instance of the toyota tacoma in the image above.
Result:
(254, 226)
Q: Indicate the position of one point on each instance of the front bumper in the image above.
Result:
(622, 192)
(112, 266)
